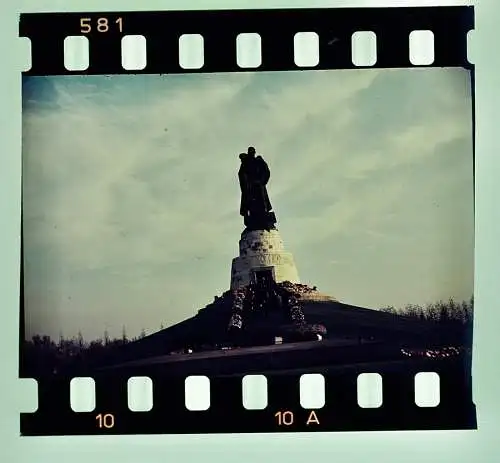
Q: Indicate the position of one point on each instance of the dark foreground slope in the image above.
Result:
(345, 324)
(210, 330)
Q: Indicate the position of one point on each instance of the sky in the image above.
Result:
(131, 197)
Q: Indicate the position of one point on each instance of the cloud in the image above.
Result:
(131, 196)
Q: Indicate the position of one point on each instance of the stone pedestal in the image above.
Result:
(262, 251)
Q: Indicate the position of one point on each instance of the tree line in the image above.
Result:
(43, 355)
(449, 312)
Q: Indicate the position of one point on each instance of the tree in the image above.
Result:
(445, 312)
(412, 310)
(388, 309)
(124, 334)
(80, 340)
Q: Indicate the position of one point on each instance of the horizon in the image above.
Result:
(125, 336)
(371, 183)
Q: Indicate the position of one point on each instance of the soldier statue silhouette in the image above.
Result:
(255, 206)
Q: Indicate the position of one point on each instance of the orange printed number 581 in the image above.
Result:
(100, 24)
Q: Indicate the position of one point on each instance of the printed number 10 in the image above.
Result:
(102, 25)
(105, 421)
(284, 418)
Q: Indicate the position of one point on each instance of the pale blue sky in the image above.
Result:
(131, 198)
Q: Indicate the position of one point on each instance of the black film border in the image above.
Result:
(276, 27)
(227, 414)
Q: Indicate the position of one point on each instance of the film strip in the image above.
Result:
(111, 412)
(339, 367)
(219, 31)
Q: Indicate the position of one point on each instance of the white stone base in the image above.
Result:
(261, 250)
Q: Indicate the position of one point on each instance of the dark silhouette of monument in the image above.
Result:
(266, 301)
(255, 206)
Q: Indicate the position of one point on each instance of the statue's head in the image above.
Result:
(251, 151)
(243, 156)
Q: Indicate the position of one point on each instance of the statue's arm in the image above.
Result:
(243, 182)
(265, 172)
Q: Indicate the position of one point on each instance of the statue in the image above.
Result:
(255, 206)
